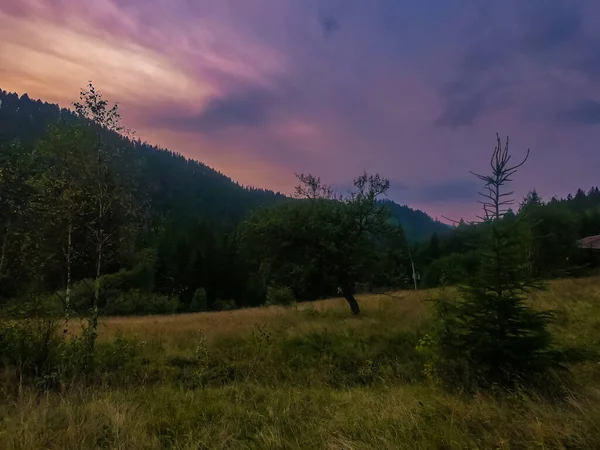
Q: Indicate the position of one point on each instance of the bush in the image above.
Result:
(48, 306)
(224, 305)
(34, 348)
(113, 287)
(135, 302)
(482, 339)
(452, 269)
(36, 353)
(282, 296)
(199, 301)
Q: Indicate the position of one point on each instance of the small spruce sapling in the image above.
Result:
(490, 335)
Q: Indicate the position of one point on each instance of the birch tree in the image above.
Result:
(110, 187)
(64, 193)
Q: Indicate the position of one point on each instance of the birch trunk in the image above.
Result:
(4, 247)
(68, 287)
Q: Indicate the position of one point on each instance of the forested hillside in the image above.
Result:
(179, 188)
(174, 233)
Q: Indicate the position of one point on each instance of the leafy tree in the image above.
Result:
(325, 238)
(16, 194)
(64, 197)
(111, 187)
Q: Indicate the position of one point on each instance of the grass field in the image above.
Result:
(308, 377)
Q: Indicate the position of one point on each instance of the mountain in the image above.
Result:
(179, 188)
(417, 225)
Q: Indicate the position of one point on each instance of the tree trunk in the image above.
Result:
(95, 306)
(99, 241)
(4, 247)
(348, 292)
(68, 287)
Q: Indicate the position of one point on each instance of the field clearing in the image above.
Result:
(311, 377)
(408, 304)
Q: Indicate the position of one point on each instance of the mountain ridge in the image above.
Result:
(179, 185)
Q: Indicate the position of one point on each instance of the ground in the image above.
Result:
(307, 377)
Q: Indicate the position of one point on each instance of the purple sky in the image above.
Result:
(260, 89)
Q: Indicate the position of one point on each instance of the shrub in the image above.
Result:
(113, 287)
(282, 296)
(452, 269)
(199, 301)
(224, 305)
(135, 302)
(33, 347)
(36, 353)
(48, 306)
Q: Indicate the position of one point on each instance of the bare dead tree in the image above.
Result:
(311, 187)
(497, 203)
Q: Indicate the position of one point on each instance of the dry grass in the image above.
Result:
(407, 306)
(252, 417)
(286, 392)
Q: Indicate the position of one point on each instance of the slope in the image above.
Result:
(179, 188)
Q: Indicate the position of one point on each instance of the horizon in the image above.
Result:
(262, 91)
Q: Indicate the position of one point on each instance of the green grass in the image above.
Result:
(311, 377)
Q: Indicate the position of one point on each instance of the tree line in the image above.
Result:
(92, 218)
(555, 226)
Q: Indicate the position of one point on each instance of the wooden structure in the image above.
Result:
(590, 242)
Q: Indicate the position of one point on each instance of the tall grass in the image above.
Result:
(308, 377)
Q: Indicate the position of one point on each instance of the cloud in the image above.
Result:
(462, 110)
(448, 191)
(39, 52)
(588, 61)
(329, 24)
(509, 46)
(549, 24)
(250, 108)
(438, 192)
(477, 80)
(586, 112)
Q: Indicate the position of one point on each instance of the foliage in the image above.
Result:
(224, 305)
(33, 347)
(324, 239)
(281, 296)
(490, 335)
(136, 302)
(199, 301)
(186, 219)
(451, 270)
(555, 227)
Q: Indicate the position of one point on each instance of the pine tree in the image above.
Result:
(490, 335)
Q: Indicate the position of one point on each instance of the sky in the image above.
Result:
(263, 89)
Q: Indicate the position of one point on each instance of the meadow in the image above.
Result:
(309, 376)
